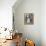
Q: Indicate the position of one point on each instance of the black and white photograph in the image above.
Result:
(28, 18)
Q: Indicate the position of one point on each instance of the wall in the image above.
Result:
(6, 13)
(43, 22)
(32, 32)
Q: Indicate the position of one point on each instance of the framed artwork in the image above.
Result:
(28, 18)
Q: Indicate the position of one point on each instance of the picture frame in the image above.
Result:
(28, 18)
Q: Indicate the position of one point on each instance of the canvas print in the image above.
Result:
(28, 18)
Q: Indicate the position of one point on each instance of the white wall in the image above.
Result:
(6, 13)
(30, 31)
(43, 22)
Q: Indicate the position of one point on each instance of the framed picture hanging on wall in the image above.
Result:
(28, 18)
